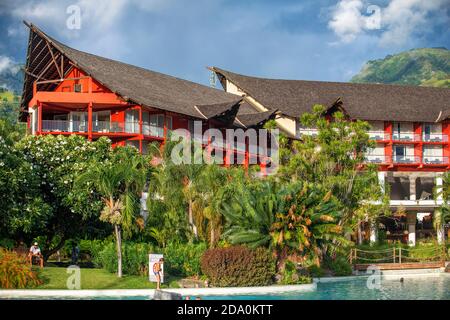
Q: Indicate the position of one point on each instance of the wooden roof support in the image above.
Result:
(54, 60)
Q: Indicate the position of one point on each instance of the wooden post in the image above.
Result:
(400, 255)
(140, 129)
(39, 115)
(90, 120)
(351, 256)
(393, 249)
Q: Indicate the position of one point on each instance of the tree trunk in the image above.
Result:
(47, 253)
(212, 236)
(360, 240)
(191, 220)
(119, 250)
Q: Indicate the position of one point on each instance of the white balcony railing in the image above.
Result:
(435, 160)
(378, 135)
(435, 137)
(405, 136)
(405, 159)
(377, 159)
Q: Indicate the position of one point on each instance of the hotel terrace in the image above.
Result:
(67, 91)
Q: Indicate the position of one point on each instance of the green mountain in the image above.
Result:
(12, 79)
(424, 67)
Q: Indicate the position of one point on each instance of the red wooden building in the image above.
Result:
(67, 91)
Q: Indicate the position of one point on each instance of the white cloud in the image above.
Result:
(398, 21)
(8, 64)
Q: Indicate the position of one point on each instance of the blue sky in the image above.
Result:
(311, 40)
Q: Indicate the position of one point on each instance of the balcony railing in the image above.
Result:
(435, 137)
(64, 126)
(405, 136)
(377, 159)
(378, 135)
(308, 132)
(404, 159)
(101, 127)
(435, 160)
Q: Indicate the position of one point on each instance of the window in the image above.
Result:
(101, 121)
(400, 153)
(157, 124)
(132, 121)
(77, 87)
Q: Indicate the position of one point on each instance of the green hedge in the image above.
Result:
(238, 266)
(180, 259)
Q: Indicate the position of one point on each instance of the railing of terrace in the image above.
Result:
(405, 159)
(377, 159)
(397, 255)
(378, 135)
(435, 137)
(64, 126)
(405, 136)
(435, 160)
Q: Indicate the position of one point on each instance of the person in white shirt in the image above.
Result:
(35, 251)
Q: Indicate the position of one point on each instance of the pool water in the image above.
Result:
(426, 288)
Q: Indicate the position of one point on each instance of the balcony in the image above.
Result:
(103, 127)
(405, 137)
(435, 160)
(434, 137)
(378, 135)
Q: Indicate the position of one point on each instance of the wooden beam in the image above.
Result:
(53, 58)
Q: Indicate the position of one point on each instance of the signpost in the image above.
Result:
(152, 259)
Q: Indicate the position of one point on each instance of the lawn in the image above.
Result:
(91, 278)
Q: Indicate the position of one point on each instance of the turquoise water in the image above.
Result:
(428, 288)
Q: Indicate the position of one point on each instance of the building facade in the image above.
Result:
(67, 91)
(410, 126)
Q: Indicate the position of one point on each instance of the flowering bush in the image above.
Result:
(15, 273)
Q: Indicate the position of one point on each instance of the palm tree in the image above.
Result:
(120, 182)
(176, 183)
(298, 221)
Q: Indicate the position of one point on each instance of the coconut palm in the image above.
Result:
(120, 182)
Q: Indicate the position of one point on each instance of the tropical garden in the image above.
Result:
(281, 229)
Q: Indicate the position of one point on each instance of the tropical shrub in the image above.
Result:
(340, 267)
(135, 257)
(183, 259)
(238, 266)
(291, 275)
(15, 272)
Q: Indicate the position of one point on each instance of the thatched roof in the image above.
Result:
(360, 101)
(135, 84)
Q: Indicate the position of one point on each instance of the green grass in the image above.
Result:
(56, 278)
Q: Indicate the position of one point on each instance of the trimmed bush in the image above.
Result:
(15, 272)
(238, 266)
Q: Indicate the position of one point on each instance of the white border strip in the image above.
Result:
(38, 293)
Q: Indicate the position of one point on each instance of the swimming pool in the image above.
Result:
(416, 287)
(420, 288)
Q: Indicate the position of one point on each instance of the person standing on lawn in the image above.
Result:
(157, 268)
